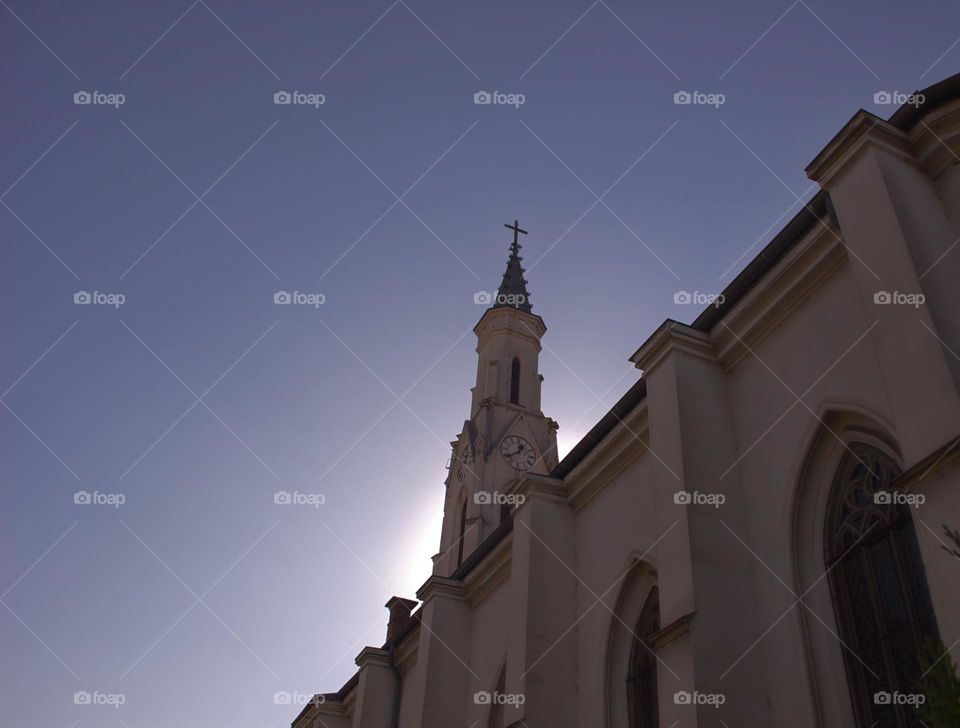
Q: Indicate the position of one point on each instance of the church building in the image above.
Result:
(754, 534)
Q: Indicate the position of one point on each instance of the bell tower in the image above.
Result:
(507, 435)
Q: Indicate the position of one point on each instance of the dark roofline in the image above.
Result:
(342, 693)
(488, 544)
(812, 212)
(621, 409)
(808, 216)
(935, 96)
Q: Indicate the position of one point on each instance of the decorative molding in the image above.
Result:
(678, 628)
(440, 586)
(533, 485)
(672, 335)
(509, 320)
(862, 131)
(373, 656)
(943, 458)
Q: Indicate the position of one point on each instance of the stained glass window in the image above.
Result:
(879, 588)
(642, 675)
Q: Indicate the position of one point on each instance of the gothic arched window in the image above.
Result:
(879, 588)
(496, 708)
(642, 674)
(515, 381)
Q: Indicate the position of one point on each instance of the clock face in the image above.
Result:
(518, 453)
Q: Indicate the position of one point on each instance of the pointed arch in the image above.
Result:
(844, 545)
(515, 380)
(632, 678)
(878, 583)
(496, 719)
(642, 696)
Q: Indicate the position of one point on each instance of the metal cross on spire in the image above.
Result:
(516, 230)
(513, 287)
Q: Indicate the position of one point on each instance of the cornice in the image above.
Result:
(672, 335)
(862, 131)
(533, 485)
(440, 586)
(373, 656)
(507, 319)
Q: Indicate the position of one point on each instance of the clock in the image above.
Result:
(518, 453)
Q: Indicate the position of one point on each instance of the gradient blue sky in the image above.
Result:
(199, 598)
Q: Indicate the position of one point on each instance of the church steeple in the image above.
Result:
(506, 435)
(513, 287)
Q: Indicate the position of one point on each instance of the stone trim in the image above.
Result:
(678, 628)
(672, 335)
(863, 130)
(944, 457)
(441, 586)
(375, 656)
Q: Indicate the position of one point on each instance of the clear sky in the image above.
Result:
(196, 398)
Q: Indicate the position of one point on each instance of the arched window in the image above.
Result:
(496, 707)
(879, 587)
(515, 381)
(461, 532)
(642, 674)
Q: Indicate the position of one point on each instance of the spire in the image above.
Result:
(513, 288)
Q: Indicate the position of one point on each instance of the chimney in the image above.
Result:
(400, 609)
